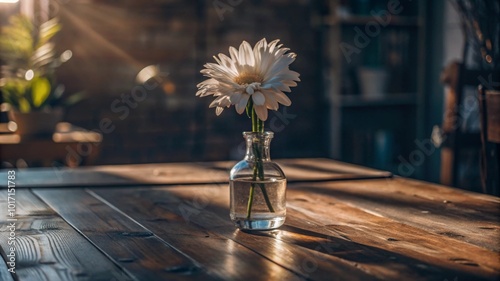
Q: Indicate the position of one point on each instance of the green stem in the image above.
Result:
(260, 173)
(258, 170)
(257, 124)
(250, 200)
(252, 192)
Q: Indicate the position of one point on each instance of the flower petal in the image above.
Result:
(271, 102)
(242, 104)
(258, 98)
(245, 54)
(277, 67)
(250, 90)
(235, 98)
(233, 53)
(261, 112)
(218, 110)
(282, 98)
(257, 52)
(272, 45)
(228, 63)
(269, 62)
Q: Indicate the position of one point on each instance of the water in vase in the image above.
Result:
(267, 208)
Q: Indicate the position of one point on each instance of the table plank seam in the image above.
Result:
(129, 274)
(89, 191)
(134, 239)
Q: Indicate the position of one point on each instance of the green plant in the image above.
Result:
(30, 60)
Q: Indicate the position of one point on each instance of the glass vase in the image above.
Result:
(257, 187)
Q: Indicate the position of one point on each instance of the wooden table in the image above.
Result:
(171, 222)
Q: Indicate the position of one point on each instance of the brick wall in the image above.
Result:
(111, 43)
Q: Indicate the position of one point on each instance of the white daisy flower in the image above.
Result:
(261, 74)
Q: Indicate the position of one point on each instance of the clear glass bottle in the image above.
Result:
(257, 187)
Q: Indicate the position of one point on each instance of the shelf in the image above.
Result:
(363, 20)
(385, 100)
(356, 119)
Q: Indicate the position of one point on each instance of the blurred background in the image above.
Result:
(370, 90)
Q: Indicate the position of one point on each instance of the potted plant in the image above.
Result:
(29, 60)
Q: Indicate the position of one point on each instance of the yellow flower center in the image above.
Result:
(248, 78)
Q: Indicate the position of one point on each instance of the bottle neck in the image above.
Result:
(258, 146)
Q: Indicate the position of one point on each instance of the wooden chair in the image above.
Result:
(489, 105)
(456, 141)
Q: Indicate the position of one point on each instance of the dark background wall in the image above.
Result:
(113, 40)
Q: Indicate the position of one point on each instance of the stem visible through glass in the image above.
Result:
(258, 169)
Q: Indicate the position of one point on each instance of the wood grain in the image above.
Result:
(194, 206)
(452, 229)
(461, 215)
(373, 257)
(382, 228)
(297, 170)
(341, 237)
(49, 249)
(171, 219)
(135, 248)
